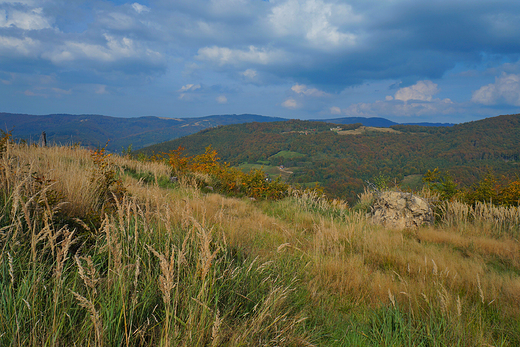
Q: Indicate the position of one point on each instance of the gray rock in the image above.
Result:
(398, 210)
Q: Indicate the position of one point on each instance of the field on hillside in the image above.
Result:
(104, 250)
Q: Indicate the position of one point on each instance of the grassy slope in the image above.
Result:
(164, 264)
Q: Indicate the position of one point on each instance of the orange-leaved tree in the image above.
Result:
(228, 180)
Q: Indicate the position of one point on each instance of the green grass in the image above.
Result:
(272, 171)
(287, 155)
(411, 182)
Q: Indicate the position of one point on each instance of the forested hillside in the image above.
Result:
(342, 160)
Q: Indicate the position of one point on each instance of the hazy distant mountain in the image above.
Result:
(378, 122)
(368, 122)
(96, 130)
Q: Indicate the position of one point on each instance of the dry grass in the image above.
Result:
(112, 277)
(61, 169)
(483, 218)
(175, 245)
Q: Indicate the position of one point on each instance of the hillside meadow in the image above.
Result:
(104, 250)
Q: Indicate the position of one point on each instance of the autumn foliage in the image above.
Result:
(489, 189)
(226, 179)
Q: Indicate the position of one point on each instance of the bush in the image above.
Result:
(228, 180)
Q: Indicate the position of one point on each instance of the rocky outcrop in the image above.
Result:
(398, 210)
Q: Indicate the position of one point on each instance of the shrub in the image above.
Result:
(228, 180)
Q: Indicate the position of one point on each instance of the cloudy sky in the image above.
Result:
(406, 60)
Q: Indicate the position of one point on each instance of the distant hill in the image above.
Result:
(368, 122)
(95, 130)
(342, 160)
(378, 122)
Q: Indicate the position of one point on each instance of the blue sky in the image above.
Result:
(406, 60)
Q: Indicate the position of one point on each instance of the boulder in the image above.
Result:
(398, 210)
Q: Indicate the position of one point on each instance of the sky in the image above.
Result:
(406, 60)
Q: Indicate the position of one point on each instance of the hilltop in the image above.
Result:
(342, 157)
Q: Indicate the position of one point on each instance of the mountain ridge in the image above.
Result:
(95, 130)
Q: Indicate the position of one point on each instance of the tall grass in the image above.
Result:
(166, 264)
(144, 278)
(489, 219)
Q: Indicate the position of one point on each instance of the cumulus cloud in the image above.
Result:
(221, 99)
(114, 49)
(422, 90)
(249, 73)
(505, 90)
(33, 19)
(290, 103)
(190, 88)
(413, 101)
(335, 110)
(140, 8)
(19, 47)
(224, 55)
(332, 45)
(304, 90)
(316, 21)
(190, 92)
(381, 108)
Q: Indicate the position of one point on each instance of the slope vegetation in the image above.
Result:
(102, 250)
(343, 163)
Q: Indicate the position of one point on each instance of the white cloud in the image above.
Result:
(422, 90)
(140, 8)
(115, 49)
(381, 108)
(302, 89)
(316, 21)
(335, 110)
(24, 47)
(221, 99)
(290, 103)
(31, 20)
(249, 73)
(190, 88)
(505, 90)
(190, 92)
(224, 56)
